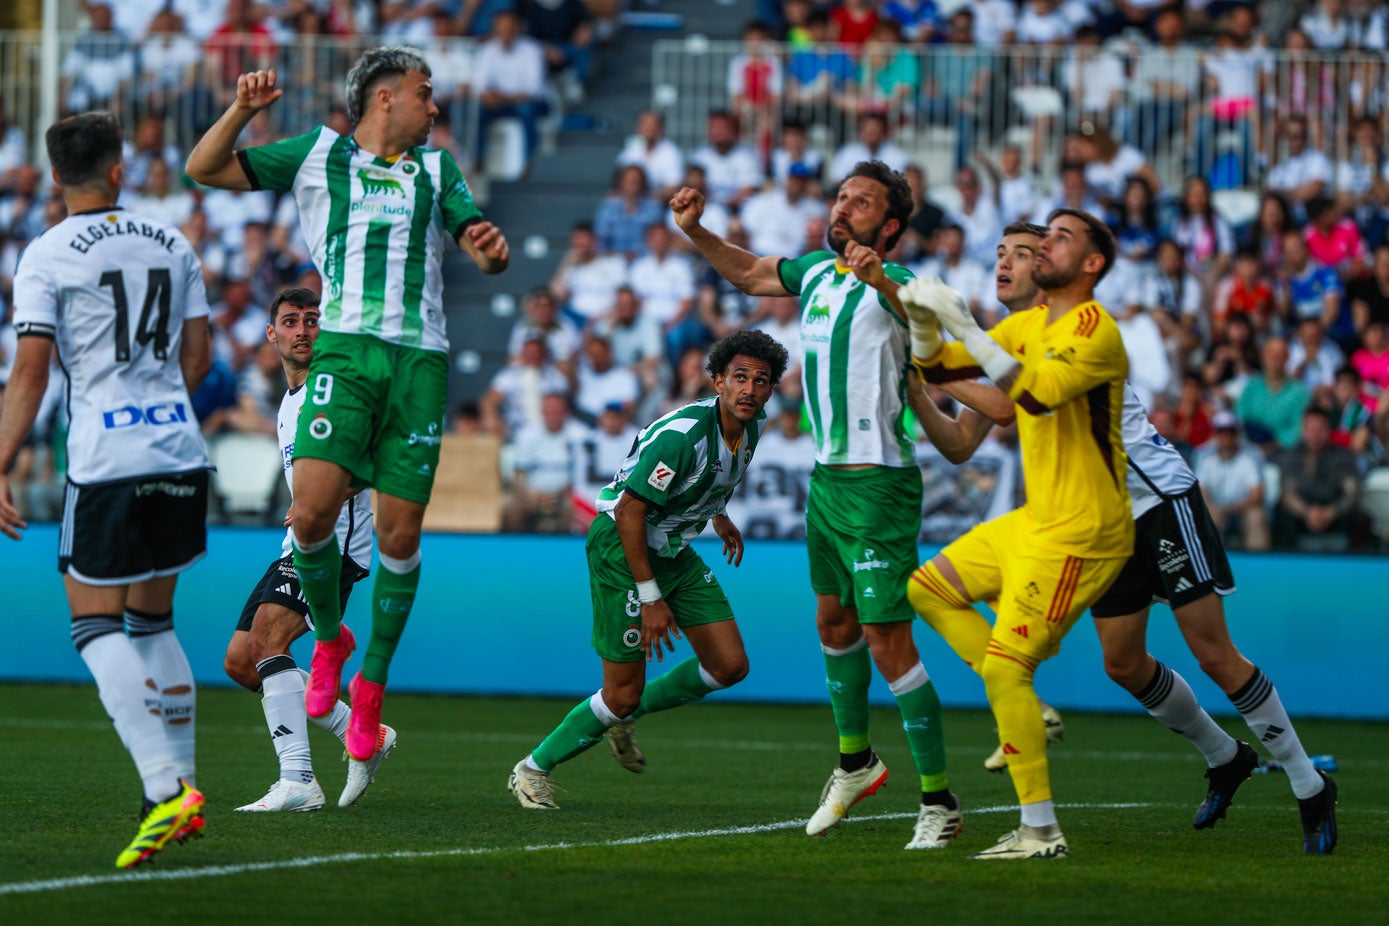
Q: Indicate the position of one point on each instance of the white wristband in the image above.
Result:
(648, 592)
(995, 361)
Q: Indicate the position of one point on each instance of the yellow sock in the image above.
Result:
(1021, 730)
(949, 614)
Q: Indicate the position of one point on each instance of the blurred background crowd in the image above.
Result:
(1236, 149)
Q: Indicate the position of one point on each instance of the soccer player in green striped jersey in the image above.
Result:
(647, 583)
(376, 208)
(864, 510)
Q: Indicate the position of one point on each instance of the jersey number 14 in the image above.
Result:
(154, 316)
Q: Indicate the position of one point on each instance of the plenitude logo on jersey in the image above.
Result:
(129, 416)
(378, 185)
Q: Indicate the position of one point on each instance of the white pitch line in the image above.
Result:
(217, 871)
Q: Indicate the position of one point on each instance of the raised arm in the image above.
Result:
(756, 276)
(213, 161)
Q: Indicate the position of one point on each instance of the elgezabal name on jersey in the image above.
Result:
(114, 228)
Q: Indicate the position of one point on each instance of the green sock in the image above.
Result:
(681, 685)
(319, 575)
(579, 730)
(921, 718)
(847, 676)
(392, 596)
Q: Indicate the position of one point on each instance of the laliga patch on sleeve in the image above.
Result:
(660, 477)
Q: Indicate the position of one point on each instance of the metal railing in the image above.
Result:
(1208, 111)
(189, 85)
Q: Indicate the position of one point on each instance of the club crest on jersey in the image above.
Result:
(631, 637)
(660, 477)
(320, 427)
(378, 184)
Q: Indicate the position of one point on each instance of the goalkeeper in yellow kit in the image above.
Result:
(1042, 565)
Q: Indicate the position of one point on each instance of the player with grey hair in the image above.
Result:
(376, 208)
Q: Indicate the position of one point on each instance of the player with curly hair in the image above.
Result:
(647, 583)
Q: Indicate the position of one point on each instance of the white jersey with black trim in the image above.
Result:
(1156, 468)
(113, 290)
(356, 532)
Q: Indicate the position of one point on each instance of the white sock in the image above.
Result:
(336, 722)
(168, 665)
(282, 698)
(1262, 709)
(1170, 699)
(133, 704)
(1040, 814)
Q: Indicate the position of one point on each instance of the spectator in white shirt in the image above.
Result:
(1015, 191)
(650, 150)
(1305, 172)
(978, 216)
(1232, 482)
(158, 200)
(586, 281)
(995, 22)
(731, 169)
(1328, 26)
(775, 219)
(1313, 358)
(512, 400)
(1093, 76)
(542, 460)
(961, 272)
(509, 80)
(1043, 23)
(782, 321)
(872, 145)
(602, 382)
(665, 282)
(542, 314)
(637, 341)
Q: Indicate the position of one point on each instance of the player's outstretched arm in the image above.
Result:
(213, 161)
(756, 276)
(486, 245)
(954, 316)
(28, 379)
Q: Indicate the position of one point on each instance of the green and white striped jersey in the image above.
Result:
(375, 228)
(681, 466)
(855, 365)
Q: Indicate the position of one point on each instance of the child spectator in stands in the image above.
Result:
(754, 85)
(1353, 423)
(1246, 291)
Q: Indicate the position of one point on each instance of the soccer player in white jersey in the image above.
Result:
(121, 299)
(275, 614)
(863, 514)
(1178, 559)
(376, 209)
(647, 582)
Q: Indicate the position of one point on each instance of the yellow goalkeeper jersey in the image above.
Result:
(1070, 399)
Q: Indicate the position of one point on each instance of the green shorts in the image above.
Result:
(860, 530)
(377, 410)
(689, 587)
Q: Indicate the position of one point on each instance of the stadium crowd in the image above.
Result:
(1258, 344)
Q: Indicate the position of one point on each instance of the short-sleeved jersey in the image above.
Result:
(355, 527)
(1156, 468)
(855, 362)
(375, 229)
(684, 470)
(113, 290)
(1070, 398)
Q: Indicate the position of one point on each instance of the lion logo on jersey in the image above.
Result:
(378, 185)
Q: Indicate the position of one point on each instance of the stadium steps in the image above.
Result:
(564, 186)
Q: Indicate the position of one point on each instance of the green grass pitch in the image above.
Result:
(711, 834)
